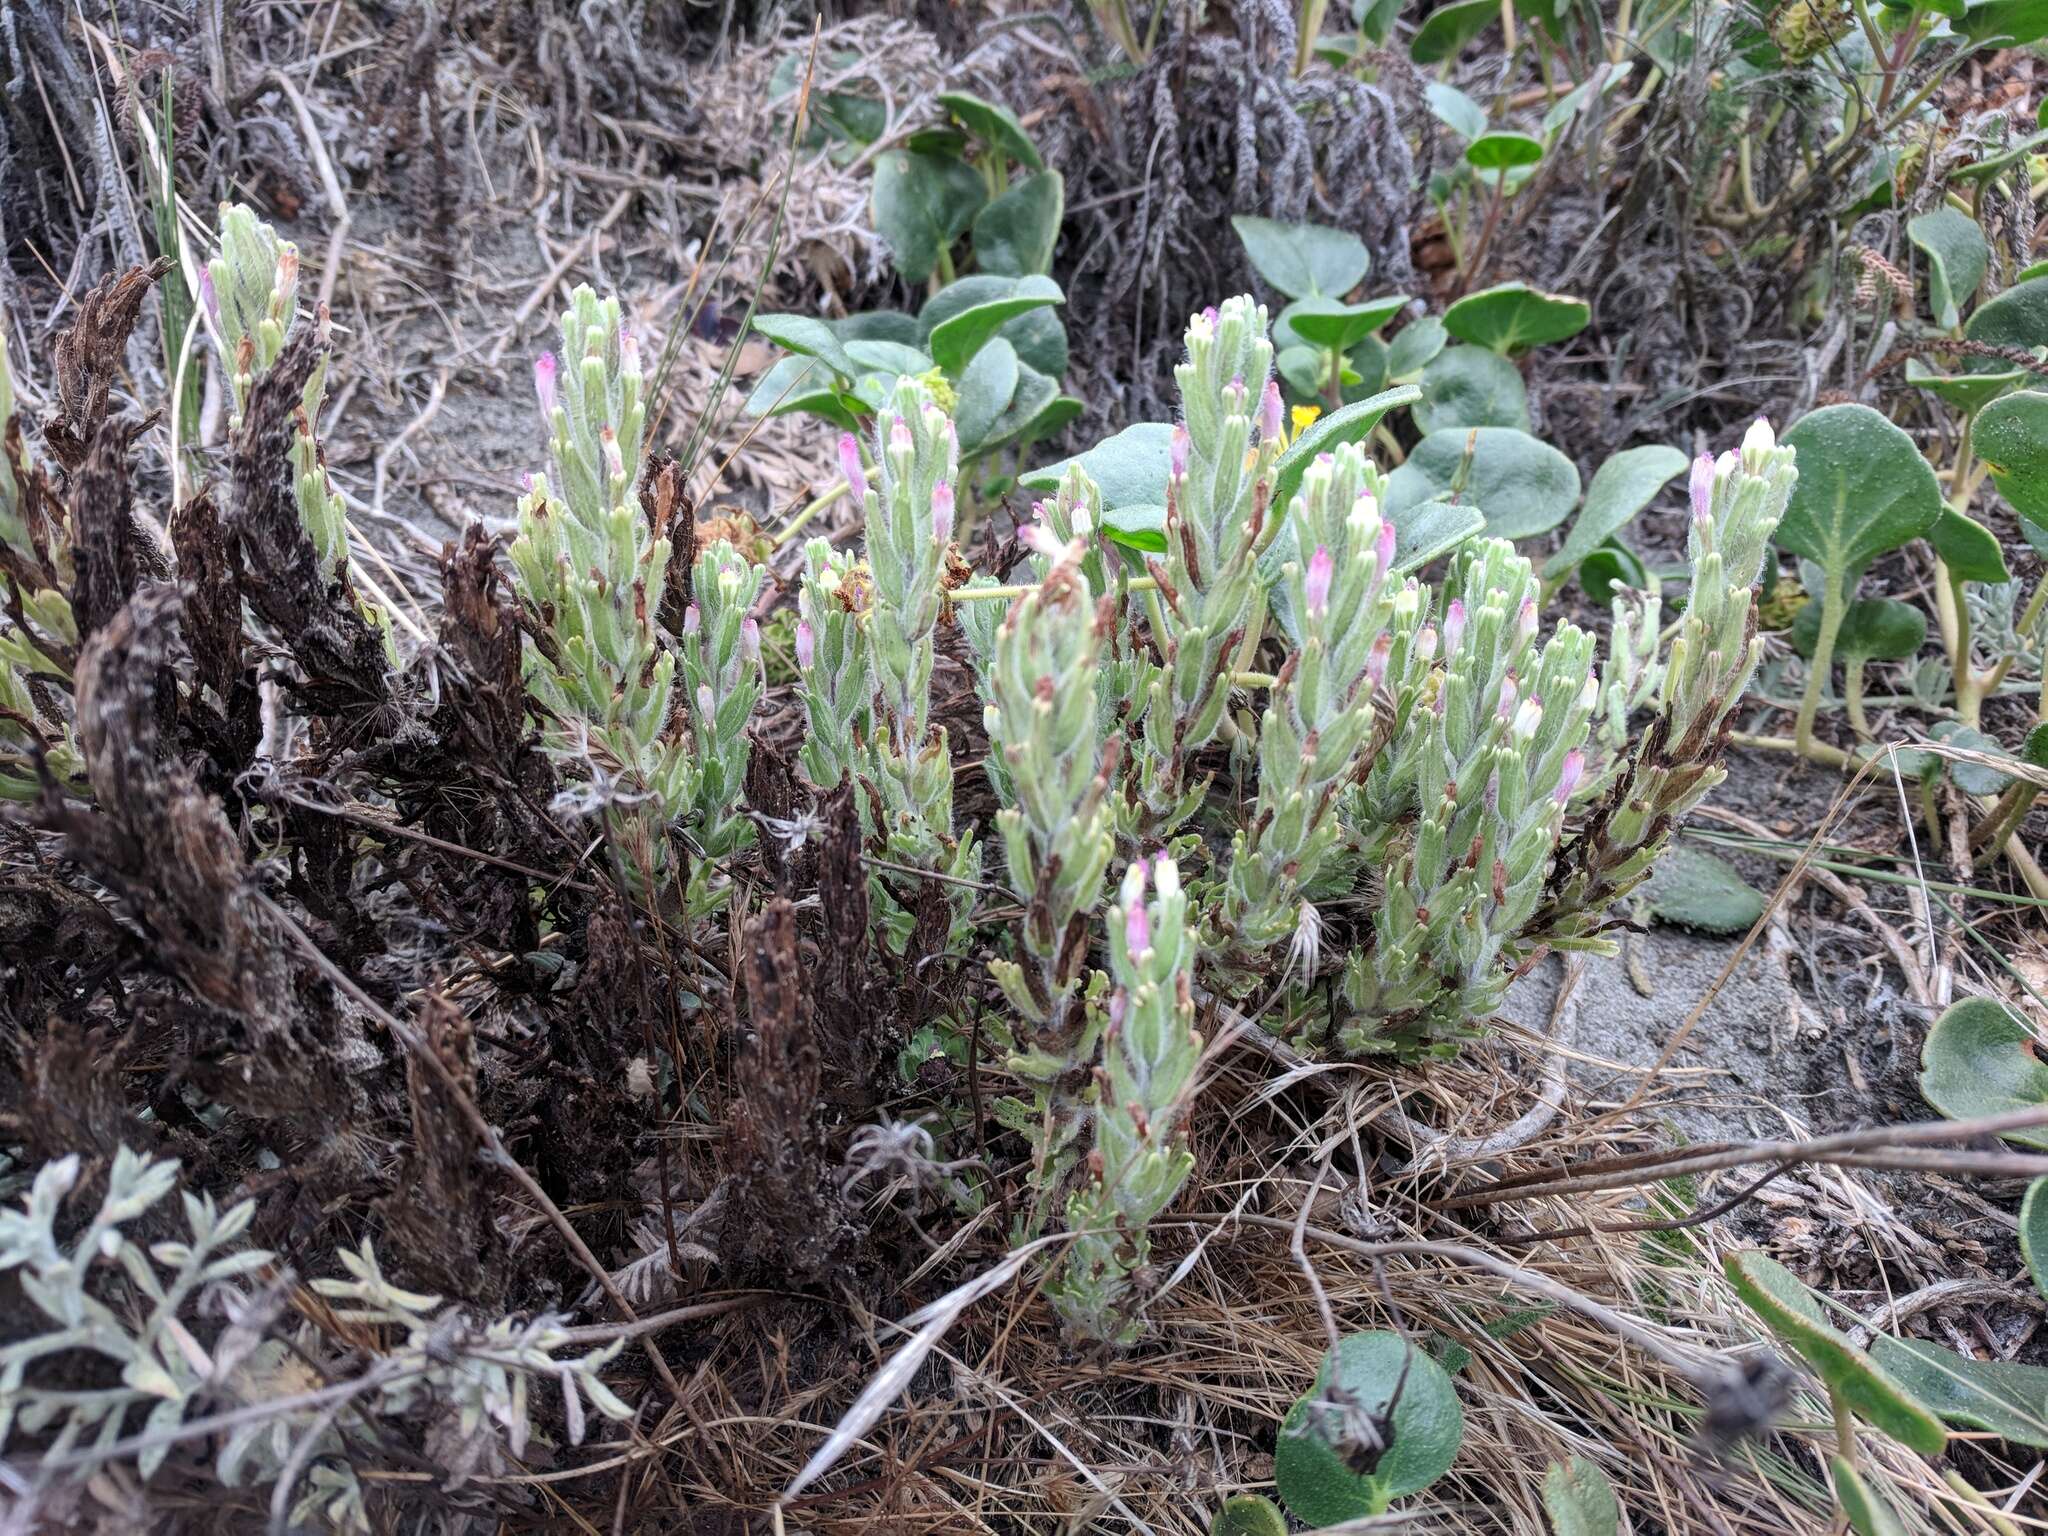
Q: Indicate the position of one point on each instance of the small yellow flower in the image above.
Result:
(1304, 418)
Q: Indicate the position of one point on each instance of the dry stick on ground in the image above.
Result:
(480, 1127)
(1885, 1146)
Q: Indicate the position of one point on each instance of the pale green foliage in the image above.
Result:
(142, 1309)
(1058, 831)
(869, 637)
(1218, 521)
(591, 566)
(831, 652)
(252, 294)
(1140, 1158)
(721, 651)
(1319, 721)
(1715, 652)
(24, 651)
(1493, 746)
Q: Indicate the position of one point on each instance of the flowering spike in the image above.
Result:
(1271, 420)
(942, 514)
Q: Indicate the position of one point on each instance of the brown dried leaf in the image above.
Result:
(88, 359)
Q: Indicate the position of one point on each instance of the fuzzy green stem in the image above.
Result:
(1834, 603)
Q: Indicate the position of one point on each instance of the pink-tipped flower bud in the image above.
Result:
(1039, 538)
(900, 440)
(1376, 660)
(1177, 448)
(1137, 928)
(1454, 625)
(1727, 463)
(1383, 547)
(693, 620)
(208, 295)
(750, 640)
(1272, 417)
(1525, 619)
(1569, 775)
(849, 466)
(614, 461)
(629, 353)
(544, 368)
(1528, 718)
(1702, 487)
(806, 644)
(1316, 584)
(707, 706)
(942, 513)
(1510, 696)
(1425, 645)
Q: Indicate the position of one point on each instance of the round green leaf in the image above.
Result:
(982, 392)
(1037, 410)
(1137, 525)
(1129, 468)
(920, 205)
(2012, 437)
(809, 336)
(803, 385)
(1694, 889)
(1579, 1499)
(1512, 317)
(1608, 567)
(1522, 486)
(1301, 368)
(1873, 629)
(1303, 260)
(1365, 369)
(992, 123)
(963, 316)
(1353, 423)
(1970, 778)
(954, 340)
(1863, 489)
(1337, 326)
(880, 325)
(1621, 488)
(1248, 1515)
(2034, 1233)
(1015, 234)
(1957, 255)
(2006, 1397)
(1964, 391)
(2017, 317)
(1794, 1313)
(1422, 534)
(1968, 548)
(2011, 23)
(1415, 346)
(890, 357)
(1979, 1060)
(1455, 110)
(1493, 153)
(1313, 1476)
(1868, 1514)
(1448, 28)
(1471, 387)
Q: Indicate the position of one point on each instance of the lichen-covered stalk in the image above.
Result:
(1319, 730)
(1140, 1158)
(1058, 832)
(1210, 606)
